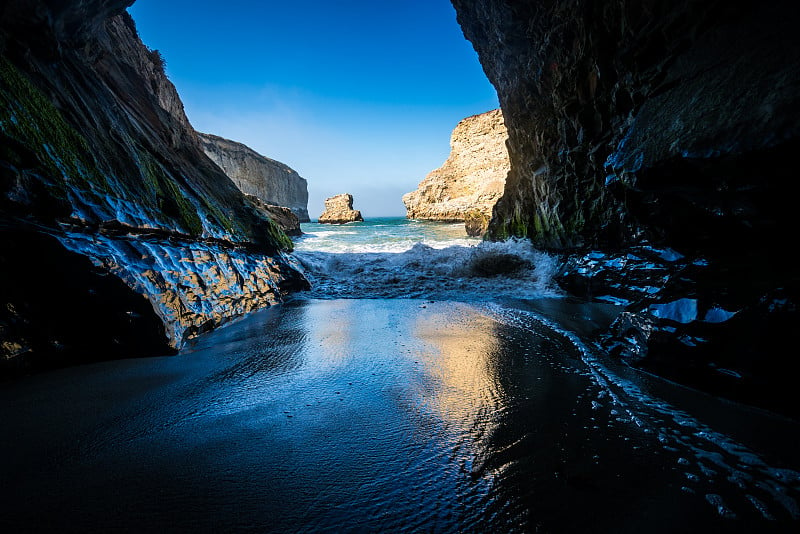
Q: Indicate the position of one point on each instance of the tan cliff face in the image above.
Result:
(270, 181)
(472, 178)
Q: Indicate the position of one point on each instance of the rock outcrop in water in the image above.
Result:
(118, 236)
(472, 178)
(271, 181)
(339, 210)
(670, 123)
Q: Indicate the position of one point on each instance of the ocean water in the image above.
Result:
(401, 258)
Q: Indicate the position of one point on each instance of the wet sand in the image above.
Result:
(377, 415)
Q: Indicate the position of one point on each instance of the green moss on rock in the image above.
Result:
(518, 226)
(29, 117)
(282, 241)
(227, 222)
(167, 197)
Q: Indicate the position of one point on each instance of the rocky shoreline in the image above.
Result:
(681, 321)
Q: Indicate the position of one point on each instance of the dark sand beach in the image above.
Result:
(372, 416)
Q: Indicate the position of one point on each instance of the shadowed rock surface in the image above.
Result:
(670, 124)
(271, 181)
(281, 215)
(100, 166)
(339, 210)
(670, 118)
(473, 176)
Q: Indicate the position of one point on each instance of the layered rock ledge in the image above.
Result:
(273, 182)
(118, 235)
(339, 210)
(473, 177)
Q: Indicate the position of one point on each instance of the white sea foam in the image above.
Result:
(408, 259)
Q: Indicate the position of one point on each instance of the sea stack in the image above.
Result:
(473, 177)
(339, 210)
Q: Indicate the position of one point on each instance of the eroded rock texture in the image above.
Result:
(473, 176)
(118, 232)
(339, 210)
(675, 117)
(670, 123)
(271, 181)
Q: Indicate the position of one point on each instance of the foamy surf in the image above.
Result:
(381, 235)
(396, 258)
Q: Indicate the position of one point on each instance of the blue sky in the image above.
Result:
(356, 96)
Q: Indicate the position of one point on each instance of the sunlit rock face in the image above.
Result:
(339, 210)
(193, 285)
(271, 181)
(673, 123)
(472, 178)
(100, 165)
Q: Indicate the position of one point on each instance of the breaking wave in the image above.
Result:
(416, 260)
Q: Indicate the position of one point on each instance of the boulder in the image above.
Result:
(476, 222)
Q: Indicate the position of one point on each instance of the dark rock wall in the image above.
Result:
(668, 124)
(60, 308)
(98, 160)
(676, 119)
